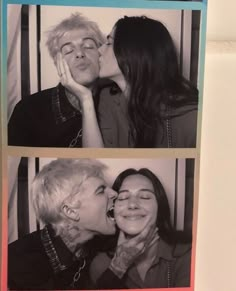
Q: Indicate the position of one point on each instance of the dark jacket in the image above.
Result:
(170, 268)
(41, 261)
(178, 128)
(45, 119)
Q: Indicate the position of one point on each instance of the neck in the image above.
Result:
(120, 81)
(150, 253)
(73, 237)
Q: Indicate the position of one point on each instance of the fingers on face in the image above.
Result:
(58, 65)
(141, 247)
(62, 66)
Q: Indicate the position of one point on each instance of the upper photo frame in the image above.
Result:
(124, 76)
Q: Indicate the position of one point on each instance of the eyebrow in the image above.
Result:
(83, 39)
(143, 189)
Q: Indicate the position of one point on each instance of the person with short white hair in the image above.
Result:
(54, 117)
(73, 202)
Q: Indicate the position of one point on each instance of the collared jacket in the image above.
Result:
(41, 261)
(45, 119)
(178, 128)
(170, 268)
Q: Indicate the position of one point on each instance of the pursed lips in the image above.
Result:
(82, 66)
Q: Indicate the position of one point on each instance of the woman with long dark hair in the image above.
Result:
(147, 252)
(151, 104)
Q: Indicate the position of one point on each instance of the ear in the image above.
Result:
(71, 212)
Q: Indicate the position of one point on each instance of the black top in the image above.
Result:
(45, 119)
(41, 261)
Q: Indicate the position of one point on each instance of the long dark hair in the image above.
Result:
(147, 58)
(163, 216)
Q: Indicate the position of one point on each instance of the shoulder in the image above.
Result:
(33, 105)
(37, 98)
(184, 124)
(181, 249)
(110, 95)
(25, 243)
(28, 247)
(174, 252)
(27, 262)
(188, 111)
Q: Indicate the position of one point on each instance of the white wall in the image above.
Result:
(221, 20)
(216, 236)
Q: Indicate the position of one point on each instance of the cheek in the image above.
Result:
(112, 59)
(68, 58)
(93, 57)
(118, 217)
(118, 209)
(153, 213)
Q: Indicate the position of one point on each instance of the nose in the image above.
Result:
(100, 49)
(111, 193)
(80, 53)
(133, 203)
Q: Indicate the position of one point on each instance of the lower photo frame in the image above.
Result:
(100, 223)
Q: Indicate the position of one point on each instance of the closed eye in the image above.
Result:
(100, 190)
(122, 198)
(89, 46)
(67, 53)
(67, 49)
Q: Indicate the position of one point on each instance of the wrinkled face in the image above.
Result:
(136, 205)
(108, 64)
(80, 51)
(96, 199)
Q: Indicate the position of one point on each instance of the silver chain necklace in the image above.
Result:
(75, 139)
(77, 274)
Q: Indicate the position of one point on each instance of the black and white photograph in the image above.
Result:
(101, 224)
(102, 77)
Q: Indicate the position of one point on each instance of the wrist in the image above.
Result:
(87, 102)
(117, 267)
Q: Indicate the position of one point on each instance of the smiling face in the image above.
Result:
(80, 51)
(96, 199)
(136, 204)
